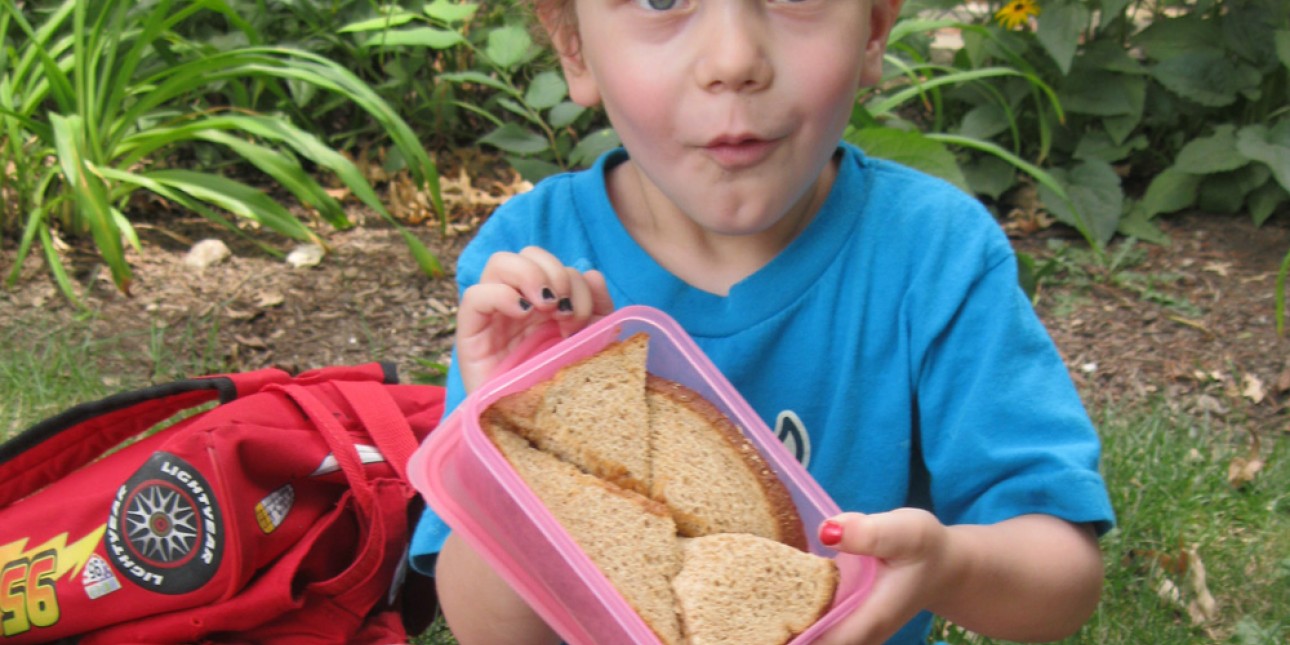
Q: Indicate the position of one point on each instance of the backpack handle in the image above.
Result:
(56, 447)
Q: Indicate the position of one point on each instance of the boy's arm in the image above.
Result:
(1030, 578)
(479, 606)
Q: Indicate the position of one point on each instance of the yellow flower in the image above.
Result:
(1016, 13)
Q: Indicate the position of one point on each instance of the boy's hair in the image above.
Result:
(557, 16)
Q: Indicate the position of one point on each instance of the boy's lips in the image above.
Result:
(738, 152)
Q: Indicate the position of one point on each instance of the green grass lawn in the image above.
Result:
(1167, 472)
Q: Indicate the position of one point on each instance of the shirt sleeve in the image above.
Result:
(1003, 431)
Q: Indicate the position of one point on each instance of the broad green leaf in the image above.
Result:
(380, 23)
(1264, 200)
(431, 37)
(1137, 224)
(1060, 26)
(913, 149)
(532, 170)
(1096, 195)
(591, 146)
(1282, 38)
(517, 108)
(515, 139)
(287, 172)
(1172, 190)
(90, 196)
(508, 45)
(1102, 93)
(1225, 192)
(1166, 38)
(451, 12)
(1249, 32)
(1271, 147)
(421, 255)
(477, 78)
(55, 264)
(188, 202)
(1098, 145)
(564, 114)
(1110, 10)
(237, 198)
(1109, 55)
(546, 90)
(1213, 154)
(1120, 127)
(984, 121)
(1206, 77)
(989, 176)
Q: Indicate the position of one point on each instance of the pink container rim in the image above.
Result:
(458, 444)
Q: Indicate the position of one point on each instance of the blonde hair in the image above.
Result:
(559, 18)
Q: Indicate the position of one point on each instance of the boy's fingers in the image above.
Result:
(891, 535)
(482, 302)
(533, 272)
(602, 303)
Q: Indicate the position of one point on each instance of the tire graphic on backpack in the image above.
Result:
(165, 532)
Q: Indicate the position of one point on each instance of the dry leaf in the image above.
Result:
(1221, 268)
(1194, 598)
(1243, 470)
(1253, 388)
(1202, 608)
(254, 342)
(267, 299)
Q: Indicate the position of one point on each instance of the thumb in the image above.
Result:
(888, 536)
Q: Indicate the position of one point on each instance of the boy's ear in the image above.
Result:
(568, 46)
(882, 16)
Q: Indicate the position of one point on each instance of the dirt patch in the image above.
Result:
(1191, 323)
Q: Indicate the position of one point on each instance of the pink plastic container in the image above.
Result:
(475, 490)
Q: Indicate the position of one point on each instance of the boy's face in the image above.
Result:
(730, 108)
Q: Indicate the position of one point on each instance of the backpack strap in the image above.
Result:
(59, 445)
(385, 422)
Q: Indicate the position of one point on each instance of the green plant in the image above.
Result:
(527, 107)
(1167, 474)
(1186, 99)
(94, 96)
(907, 118)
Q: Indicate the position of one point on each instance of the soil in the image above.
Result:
(1189, 325)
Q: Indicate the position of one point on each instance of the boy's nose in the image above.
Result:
(733, 50)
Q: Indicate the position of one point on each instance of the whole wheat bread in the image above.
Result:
(603, 432)
(741, 589)
(592, 413)
(630, 537)
(709, 474)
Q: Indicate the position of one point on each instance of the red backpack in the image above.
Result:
(280, 515)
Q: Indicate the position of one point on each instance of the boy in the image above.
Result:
(868, 312)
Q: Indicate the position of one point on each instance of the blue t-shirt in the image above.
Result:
(889, 345)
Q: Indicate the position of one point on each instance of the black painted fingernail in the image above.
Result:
(547, 294)
(565, 305)
(525, 305)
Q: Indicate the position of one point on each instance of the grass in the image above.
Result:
(1167, 473)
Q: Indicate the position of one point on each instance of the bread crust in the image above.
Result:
(772, 489)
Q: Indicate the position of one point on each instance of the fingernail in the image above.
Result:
(565, 305)
(547, 294)
(830, 533)
(525, 305)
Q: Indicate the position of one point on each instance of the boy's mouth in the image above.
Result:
(737, 152)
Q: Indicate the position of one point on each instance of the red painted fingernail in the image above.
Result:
(830, 533)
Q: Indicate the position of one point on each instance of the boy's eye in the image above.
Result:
(659, 5)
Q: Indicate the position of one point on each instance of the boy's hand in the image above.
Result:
(516, 294)
(912, 545)
(1031, 578)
